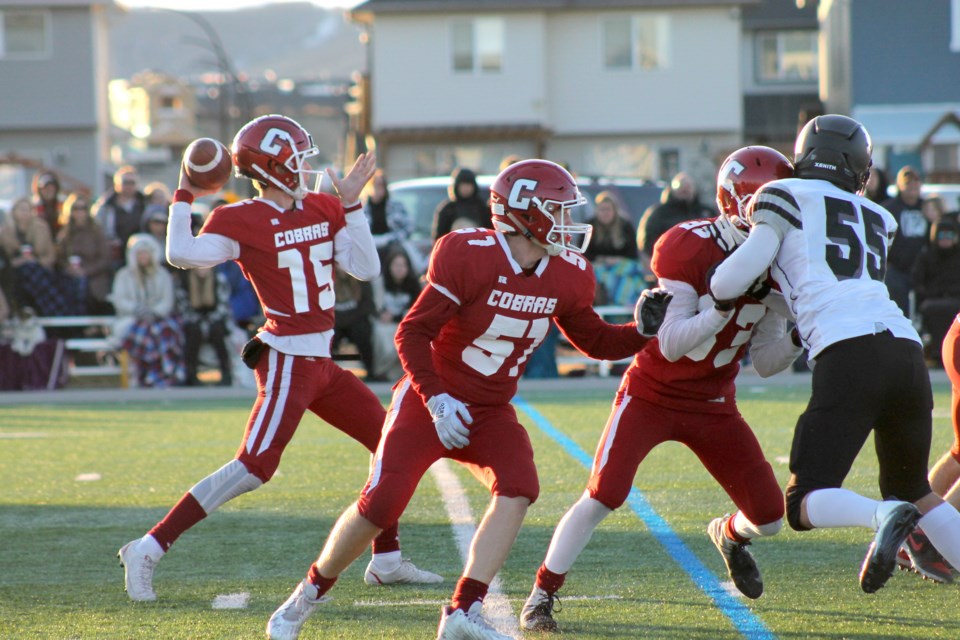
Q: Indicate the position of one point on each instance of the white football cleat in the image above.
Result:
(455, 624)
(286, 621)
(537, 612)
(406, 573)
(137, 572)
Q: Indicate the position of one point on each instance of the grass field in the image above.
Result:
(81, 480)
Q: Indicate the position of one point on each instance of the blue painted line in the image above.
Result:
(749, 625)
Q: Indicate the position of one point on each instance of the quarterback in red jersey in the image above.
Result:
(490, 297)
(680, 387)
(286, 241)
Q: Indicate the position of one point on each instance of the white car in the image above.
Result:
(421, 196)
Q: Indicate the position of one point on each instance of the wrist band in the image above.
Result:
(182, 195)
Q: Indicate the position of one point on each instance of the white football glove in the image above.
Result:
(650, 310)
(449, 416)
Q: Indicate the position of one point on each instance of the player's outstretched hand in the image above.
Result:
(449, 416)
(650, 310)
(359, 175)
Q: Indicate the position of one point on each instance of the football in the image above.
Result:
(207, 164)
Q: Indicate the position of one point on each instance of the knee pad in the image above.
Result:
(223, 485)
(795, 497)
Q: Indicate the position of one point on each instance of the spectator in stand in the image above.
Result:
(464, 202)
(203, 304)
(83, 252)
(399, 288)
(936, 284)
(46, 197)
(155, 223)
(146, 327)
(354, 309)
(913, 231)
(157, 193)
(26, 240)
(120, 211)
(934, 208)
(679, 202)
(614, 236)
(244, 304)
(389, 221)
(877, 184)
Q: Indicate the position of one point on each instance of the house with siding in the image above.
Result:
(639, 88)
(54, 79)
(895, 66)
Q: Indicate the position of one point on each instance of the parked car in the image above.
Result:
(421, 196)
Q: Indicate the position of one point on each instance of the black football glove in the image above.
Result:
(650, 310)
(719, 305)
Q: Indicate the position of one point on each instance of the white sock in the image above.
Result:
(149, 547)
(746, 529)
(387, 562)
(828, 508)
(574, 532)
(942, 526)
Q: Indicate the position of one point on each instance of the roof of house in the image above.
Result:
(479, 6)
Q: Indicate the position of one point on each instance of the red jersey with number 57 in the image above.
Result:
(704, 379)
(288, 258)
(472, 330)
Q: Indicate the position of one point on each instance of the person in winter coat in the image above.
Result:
(936, 283)
(464, 204)
(143, 296)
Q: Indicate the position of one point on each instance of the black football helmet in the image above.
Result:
(834, 148)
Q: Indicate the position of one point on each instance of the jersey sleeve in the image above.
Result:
(775, 206)
(455, 264)
(676, 256)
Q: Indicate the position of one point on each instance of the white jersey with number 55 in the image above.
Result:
(831, 261)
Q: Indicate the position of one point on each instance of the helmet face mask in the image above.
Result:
(275, 150)
(740, 176)
(535, 198)
(834, 148)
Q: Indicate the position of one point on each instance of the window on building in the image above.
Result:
(946, 157)
(787, 56)
(172, 102)
(477, 45)
(669, 161)
(24, 34)
(635, 42)
(954, 25)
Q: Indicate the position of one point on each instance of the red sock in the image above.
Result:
(184, 515)
(548, 580)
(322, 584)
(467, 592)
(388, 540)
(732, 533)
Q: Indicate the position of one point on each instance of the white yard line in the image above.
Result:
(496, 606)
(231, 601)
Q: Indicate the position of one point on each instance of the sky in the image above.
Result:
(211, 5)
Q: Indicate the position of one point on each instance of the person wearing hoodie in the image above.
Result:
(464, 208)
(146, 327)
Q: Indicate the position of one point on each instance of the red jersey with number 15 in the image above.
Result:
(288, 258)
(498, 314)
(703, 380)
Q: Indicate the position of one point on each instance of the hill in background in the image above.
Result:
(295, 40)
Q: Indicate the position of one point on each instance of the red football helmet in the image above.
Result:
(534, 198)
(741, 175)
(273, 149)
